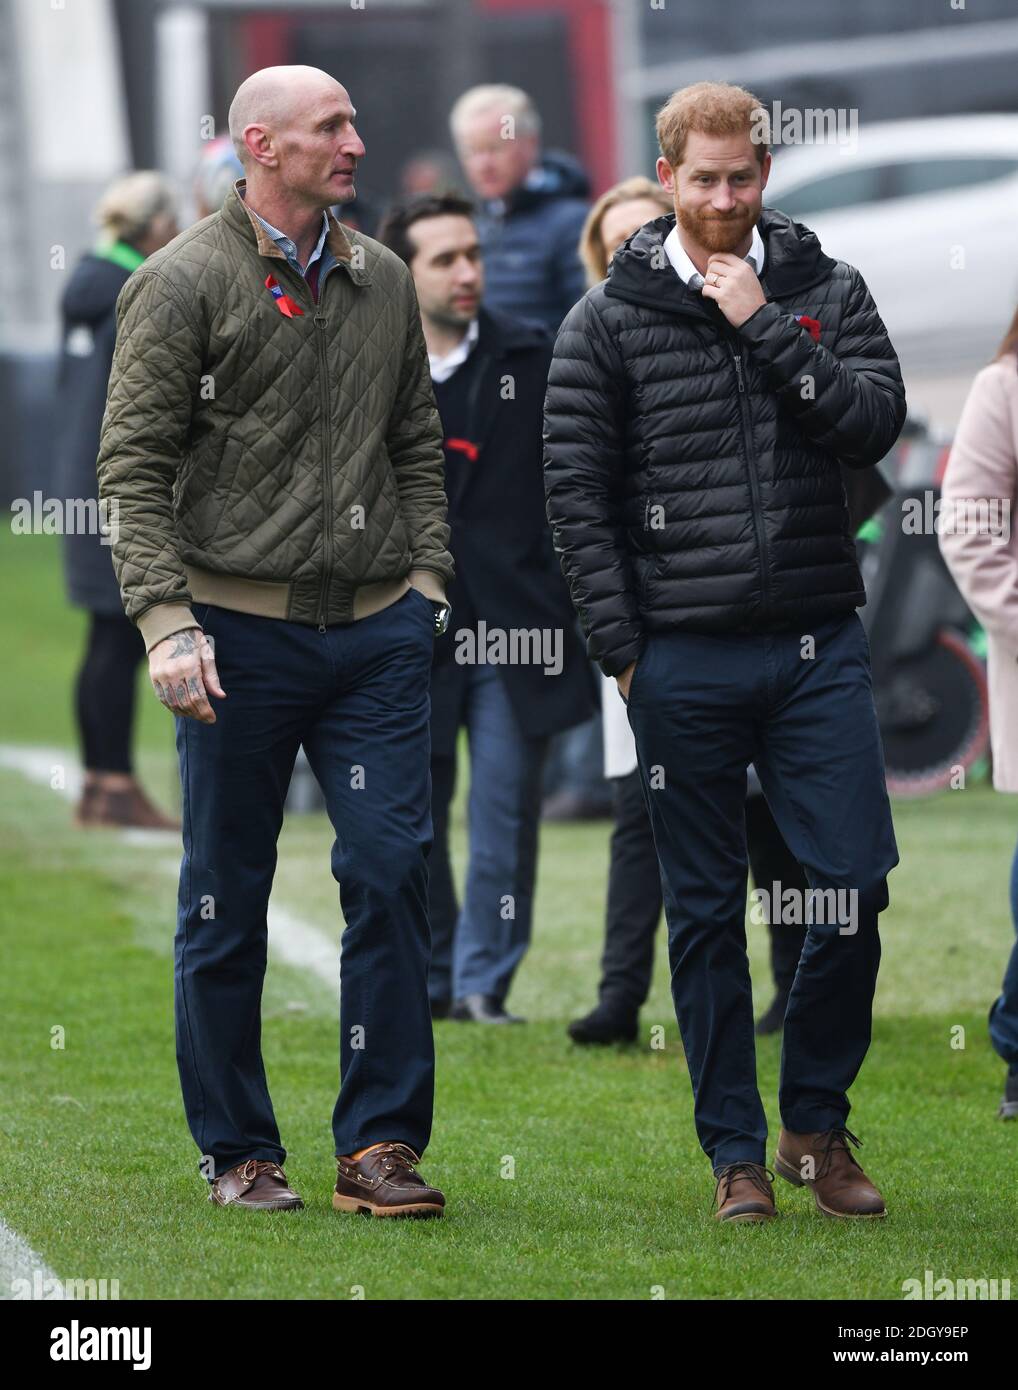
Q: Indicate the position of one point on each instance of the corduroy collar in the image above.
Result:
(242, 219)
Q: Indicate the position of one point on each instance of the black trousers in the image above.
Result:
(634, 896)
(104, 692)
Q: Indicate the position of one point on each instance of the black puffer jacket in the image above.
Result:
(691, 468)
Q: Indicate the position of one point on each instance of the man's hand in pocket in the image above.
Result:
(625, 680)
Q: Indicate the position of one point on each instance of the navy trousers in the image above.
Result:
(702, 707)
(357, 697)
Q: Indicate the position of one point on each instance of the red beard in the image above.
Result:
(714, 233)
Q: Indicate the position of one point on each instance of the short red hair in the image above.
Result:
(711, 108)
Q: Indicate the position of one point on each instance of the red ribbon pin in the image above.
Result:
(284, 303)
(463, 446)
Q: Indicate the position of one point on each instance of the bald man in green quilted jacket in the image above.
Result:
(272, 457)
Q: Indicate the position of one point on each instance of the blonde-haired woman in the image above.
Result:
(616, 215)
(136, 215)
(634, 890)
(983, 558)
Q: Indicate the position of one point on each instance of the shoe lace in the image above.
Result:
(757, 1174)
(254, 1167)
(834, 1141)
(399, 1156)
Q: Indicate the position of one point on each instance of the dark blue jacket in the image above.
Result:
(531, 265)
(89, 332)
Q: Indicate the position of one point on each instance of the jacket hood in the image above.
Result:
(555, 175)
(793, 260)
(91, 293)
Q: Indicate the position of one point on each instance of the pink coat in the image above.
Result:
(984, 466)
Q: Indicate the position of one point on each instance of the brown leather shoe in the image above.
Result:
(258, 1184)
(744, 1193)
(384, 1182)
(87, 804)
(124, 806)
(825, 1163)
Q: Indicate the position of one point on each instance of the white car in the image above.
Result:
(927, 210)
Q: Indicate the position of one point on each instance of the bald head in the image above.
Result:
(274, 97)
(292, 127)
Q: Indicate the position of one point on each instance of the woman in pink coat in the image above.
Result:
(981, 550)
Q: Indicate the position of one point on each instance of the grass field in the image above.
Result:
(611, 1195)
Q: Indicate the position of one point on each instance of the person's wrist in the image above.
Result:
(750, 317)
(161, 620)
(188, 627)
(429, 583)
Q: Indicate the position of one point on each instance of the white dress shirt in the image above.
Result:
(442, 368)
(684, 267)
(618, 743)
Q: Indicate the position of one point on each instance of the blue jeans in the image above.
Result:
(357, 697)
(1004, 1013)
(477, 950)
(576, 763)
(702, 707)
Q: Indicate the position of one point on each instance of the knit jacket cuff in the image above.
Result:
(430, 584)
(162, 619)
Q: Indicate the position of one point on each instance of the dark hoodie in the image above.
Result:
(89, 332)
(532, 267)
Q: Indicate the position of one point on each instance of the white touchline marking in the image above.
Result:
(303, 945)
(38, 763)
(18, 1261)
(296, 941)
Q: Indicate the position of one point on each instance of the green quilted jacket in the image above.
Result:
(286, 466)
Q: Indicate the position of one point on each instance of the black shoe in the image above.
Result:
(481, 1008)
(603, 1026)
(440, 1008)
(774, 1019)
(1009, 1105)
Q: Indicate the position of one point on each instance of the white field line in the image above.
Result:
(293, 940)
(19, 1262)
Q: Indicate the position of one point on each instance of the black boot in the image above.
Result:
(605, 1025)
(774, 1019)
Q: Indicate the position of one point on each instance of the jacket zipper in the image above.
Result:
(754, 480)
(320, 324)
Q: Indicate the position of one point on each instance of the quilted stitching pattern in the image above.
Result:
(249, 443)
(671, 507)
